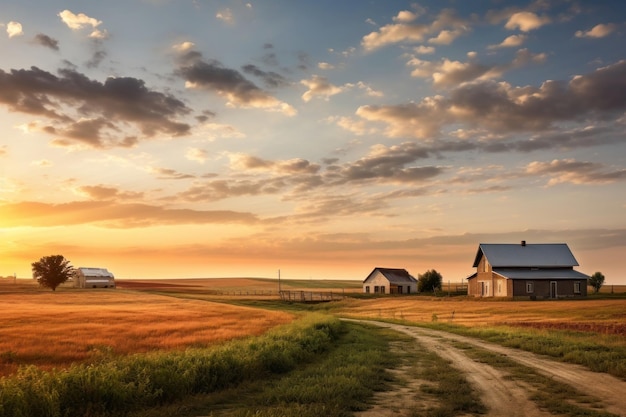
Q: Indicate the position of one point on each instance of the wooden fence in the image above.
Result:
(310, 296)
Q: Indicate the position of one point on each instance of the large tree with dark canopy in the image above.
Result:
(52, 271)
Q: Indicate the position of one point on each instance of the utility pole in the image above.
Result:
(279, 280)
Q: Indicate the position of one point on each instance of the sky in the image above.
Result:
(196, 138)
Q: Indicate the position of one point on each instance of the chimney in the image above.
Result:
(523, 243)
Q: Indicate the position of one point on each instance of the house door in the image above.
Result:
(553, 289)
(482, 289)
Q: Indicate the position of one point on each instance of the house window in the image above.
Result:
(382, 289)
(399, 289)
(376, 288)
(408, 289)
(367, 289)
(530, 286)
(577, 287)
(499, 287)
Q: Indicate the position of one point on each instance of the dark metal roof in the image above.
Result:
(542, 255)
(553, 274)
(393, 275)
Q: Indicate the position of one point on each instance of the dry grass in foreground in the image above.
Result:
(56, 329)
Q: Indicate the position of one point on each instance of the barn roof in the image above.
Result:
(542, 255)
(393, 275)
(552, 274)
(95, 272)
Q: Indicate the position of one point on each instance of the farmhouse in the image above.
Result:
(529, 270)
(93, 278)
(389, 280)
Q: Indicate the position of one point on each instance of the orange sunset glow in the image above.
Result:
(192, 139)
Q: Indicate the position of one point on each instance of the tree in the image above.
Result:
(596, 281)
(52, 271)
(429, 280)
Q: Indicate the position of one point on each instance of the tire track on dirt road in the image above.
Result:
(503, 396)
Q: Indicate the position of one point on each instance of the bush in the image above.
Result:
(429, 281)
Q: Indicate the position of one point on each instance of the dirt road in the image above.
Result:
(501, 395)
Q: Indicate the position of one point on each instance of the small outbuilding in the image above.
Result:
(389, 280)
(526, 270)
(93, 278)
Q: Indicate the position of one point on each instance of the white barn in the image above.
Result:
(389, 281)
(93, 278)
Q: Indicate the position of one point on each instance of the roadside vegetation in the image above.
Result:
(598, 352)
(546, 392)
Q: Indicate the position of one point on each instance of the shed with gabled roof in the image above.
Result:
(544, 270)
(93, 278)
(389, 280)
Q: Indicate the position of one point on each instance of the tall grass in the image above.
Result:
(118, 385)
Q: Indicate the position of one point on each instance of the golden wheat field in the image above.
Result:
(602, 316)
(56, 329)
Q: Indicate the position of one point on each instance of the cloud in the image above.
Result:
(270, 78)
(501, 107)
(510, 42)
(446, 26)
(290, 166)
(183, 46)
(78, 21)
(197, 155)
(575, 172)
(325, 66)
(170, 174)
(386, 165)
(47, 41)
(405, 16)
(14, 29)
(424, 50)
(319, 87)
(108, 213)
(598, 31)
(228, 83)
(526, 21)
(103, 192)
(89, 112)
(226, 16)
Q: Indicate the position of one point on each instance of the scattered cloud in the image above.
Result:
(598, 31)
(81, 21)
(183, 46)
(14, 29)
(226, 16)
(445, 27)
(170, 174)
(503, 108)
(108, 213)
(526, 21)
(229, 83)
(47, 41)
(77, 109)
(575, 172)
(510, 42)
(319, 87)
(103, 192)
(270, 78)
(446, 73)
(197, 155)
